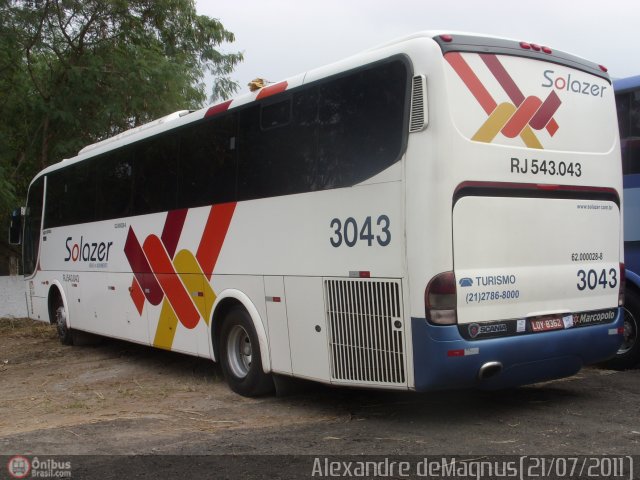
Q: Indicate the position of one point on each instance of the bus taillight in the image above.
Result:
(440, 299)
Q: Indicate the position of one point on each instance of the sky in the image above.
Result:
(282, 38)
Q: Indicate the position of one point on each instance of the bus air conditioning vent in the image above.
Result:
(366, 331)
(419, 114)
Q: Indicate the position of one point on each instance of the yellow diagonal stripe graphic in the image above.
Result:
(529, 138)
(167, 325)
(195, 282)
(492, 126)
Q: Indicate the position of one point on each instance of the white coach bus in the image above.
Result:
(439, 212)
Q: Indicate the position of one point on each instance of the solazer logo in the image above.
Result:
(84, 251)
(571, 84)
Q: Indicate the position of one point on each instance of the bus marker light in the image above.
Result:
(603, 68)
(525, 45)
(273, 299)
(360, 274)
(463, 352)
(536, 47)
(446, 38)
(547, 50)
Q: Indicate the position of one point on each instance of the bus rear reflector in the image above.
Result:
(440, 299)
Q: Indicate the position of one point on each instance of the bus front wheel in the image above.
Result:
(240, 355)
(628, 354)
(59, 317)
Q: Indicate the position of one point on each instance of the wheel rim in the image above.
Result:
(61, 317)
(239, 351)
(630, 333)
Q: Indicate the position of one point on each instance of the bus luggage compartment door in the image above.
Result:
(524, 257)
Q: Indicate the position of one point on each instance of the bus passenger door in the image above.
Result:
(277, 324)
(106, 307)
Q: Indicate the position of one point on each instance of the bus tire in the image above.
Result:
(628, 355)
(59, 313)
(240, 355)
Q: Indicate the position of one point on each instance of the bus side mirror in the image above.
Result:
(15, 227)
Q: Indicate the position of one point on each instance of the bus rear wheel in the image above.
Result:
(240, 355)
(628, 354)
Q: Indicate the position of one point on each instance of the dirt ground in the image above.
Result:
(121, 399)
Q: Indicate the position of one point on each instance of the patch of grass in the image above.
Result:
(77, 405)
(25, 327)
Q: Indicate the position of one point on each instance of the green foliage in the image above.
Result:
(73, 72)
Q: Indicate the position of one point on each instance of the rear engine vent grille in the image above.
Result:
(366, 331)
(419, 116)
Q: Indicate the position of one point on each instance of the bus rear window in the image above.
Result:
(521, 102)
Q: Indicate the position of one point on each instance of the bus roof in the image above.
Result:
(623, 85)
(447, 40)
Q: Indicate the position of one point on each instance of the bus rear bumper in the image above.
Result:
(442, 359)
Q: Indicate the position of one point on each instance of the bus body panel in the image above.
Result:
(183, 248)
(526, 359)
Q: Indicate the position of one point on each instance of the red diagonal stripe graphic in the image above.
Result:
(503, 77)
(546, 112)
(521, 118)
(172, 230)
(137, 295)
(213, 237)
(170, 281)
(141, 269)
(472, 82)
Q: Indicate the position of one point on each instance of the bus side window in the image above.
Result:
(155, 171)
(54, 205)
(362, 123)
(80, 193)
(31, 239)
(115, 185)
(304, 137)
(71, 195)
(207, 172)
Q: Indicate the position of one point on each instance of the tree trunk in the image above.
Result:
(44, 154)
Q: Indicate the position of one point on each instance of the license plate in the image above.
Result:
(546, 324)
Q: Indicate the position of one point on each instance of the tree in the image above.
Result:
(73, 72)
